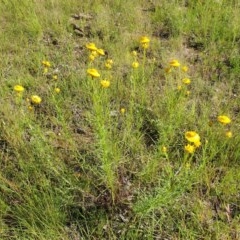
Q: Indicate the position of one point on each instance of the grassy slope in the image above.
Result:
(72, 170)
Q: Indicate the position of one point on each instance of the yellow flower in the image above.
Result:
(229, 134)
(145, 45)
(168, 70)
(174, 63)
(134, 53)
(18, 88)
(197, 144)
(57, 90)
(122, 110)
(93, 72)
(144, 41)
(108, 66)
(192, 136)
(188, 93)
(35, 99)
(45, 70)
(164, 149)
(189, 148)
(55, 77)
(30, 108)
(46, 64)
(100, 51)
(224, 119)
(105, 83)
(91, 46)
(186, 81)
(94, 53)
(135, 65)
(91, 57)
(184, 68)
(179, 87)
(109, 61)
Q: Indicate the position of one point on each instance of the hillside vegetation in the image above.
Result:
(120, 119)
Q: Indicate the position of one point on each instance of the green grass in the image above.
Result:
(76, 166)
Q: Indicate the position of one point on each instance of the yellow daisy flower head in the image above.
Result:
(144, 39)
(109, 61)
(108, 66)
(164, 149)
(145, 45)
(30, 108)
(228, 134)
(224, 119)
(192, 136)
(45, 70)
(186, 81)
(174, 63)
(94, 53)
(197, 144)
(55, 77)
(46, 63)
(184, 68)
(91, 46)
(35, 99)
(93, 72)
(189, 148)
(122, 110)
(135, 65)
(134, 53)
(168, 70)
(18, 88)
(57, 90)
(179, 87)
(100, 51)
(105, 83)
(91, 57)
